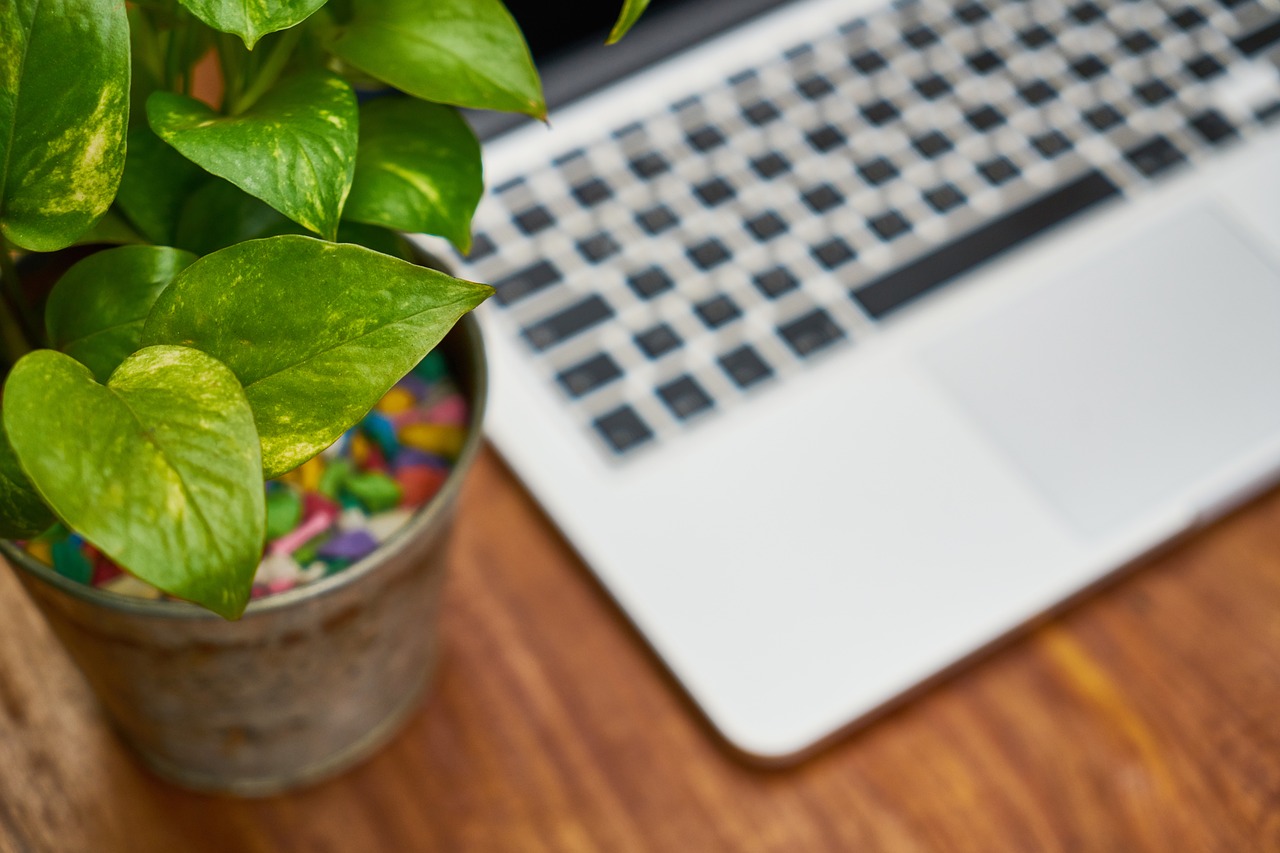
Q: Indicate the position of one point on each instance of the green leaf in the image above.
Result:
(159, 468)
(22, 513)
(220, 214)
(96, 310)
(252, 19)
(316, 332)
(468, 53)
(631, 12)
(418, 169)
(64, 105)
(295, 149)
(112, 229)
(156, 183)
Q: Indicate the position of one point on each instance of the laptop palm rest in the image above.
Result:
(1136, 379)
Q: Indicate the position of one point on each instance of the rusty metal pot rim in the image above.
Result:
(472, 346)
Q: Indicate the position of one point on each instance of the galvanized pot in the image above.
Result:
(307, 683)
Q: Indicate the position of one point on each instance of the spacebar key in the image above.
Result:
(897, 288)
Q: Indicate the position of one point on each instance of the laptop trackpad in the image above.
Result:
(1134, 379)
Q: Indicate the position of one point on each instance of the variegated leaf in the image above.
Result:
(164, 476)
(64, 106)
(295, 148)
(631, 12)
(418, 169)
(252, 19)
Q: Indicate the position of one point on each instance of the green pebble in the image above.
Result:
(332, 567)
(70, 562)
(284, 511)
(431, 368)
(334, 477)
(375, 491)
(306, 554)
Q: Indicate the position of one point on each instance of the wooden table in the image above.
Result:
(1145, 718)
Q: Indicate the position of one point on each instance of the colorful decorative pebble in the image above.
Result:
(337, 508)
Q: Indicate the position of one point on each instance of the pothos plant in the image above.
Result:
(258, 303)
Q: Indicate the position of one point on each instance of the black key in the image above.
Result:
(592, 192)
(649, 165)
(833, 253)
(889, 225)
(1205, 67)
(998, 170)
(586, 376)
(899, 287)
(715, 191)
(481, 248)
(984, 118)
(508, 186)
(1051, 144)
(770, 165)
(1035, 37)
(708, 254)
(810, 333)
(745, 366)
(1103, 117)
(705, 138)
(919, 37)
(760, 113)
(1231, 4)
(877, 171)
(1085, 12)
(880, 112)
(1037, 92)
(718, 311)
(623, 429)
(1188, 19)
(523, 282)
(944, 197)
(1138, 43)
(971, 13)
(1088, 67)
(766, 226)
(568, 157)
(685, 397)
(1153, 92)
(822, 198)
(932, 144)
(1154, 156)
(655, 220)
(563, 325)
(815, 87)
(649, 283)
(1269, 113)
(775, 282)
(825, 138)
(658, 341)
(1213, 127)
(598, 246)
(1259, 40)
(932, 87)
(985, 61)
(868, 62)
(534, 219)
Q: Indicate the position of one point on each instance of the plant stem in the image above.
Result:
(266, 74)
(14, 311)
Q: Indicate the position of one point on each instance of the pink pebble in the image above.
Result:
(309, 529)
(450, 410)
(376, 461)
(314, 503)
(281, 585)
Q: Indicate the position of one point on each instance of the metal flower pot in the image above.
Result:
(309, 682)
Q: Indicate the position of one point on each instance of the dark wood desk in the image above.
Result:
(1146, 718)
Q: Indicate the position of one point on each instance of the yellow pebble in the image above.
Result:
(306, 476)
(441, 439)
(127, 584)
(41, 551)
(395, 401)
(359, 448)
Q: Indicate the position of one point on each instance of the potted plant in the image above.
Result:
(258, 306)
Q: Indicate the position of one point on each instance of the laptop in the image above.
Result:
(843, 339)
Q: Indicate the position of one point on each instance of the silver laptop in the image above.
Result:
(845, 342)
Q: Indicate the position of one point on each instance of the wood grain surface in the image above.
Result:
(1145, 718)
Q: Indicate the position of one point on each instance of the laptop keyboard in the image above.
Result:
(677, 265)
